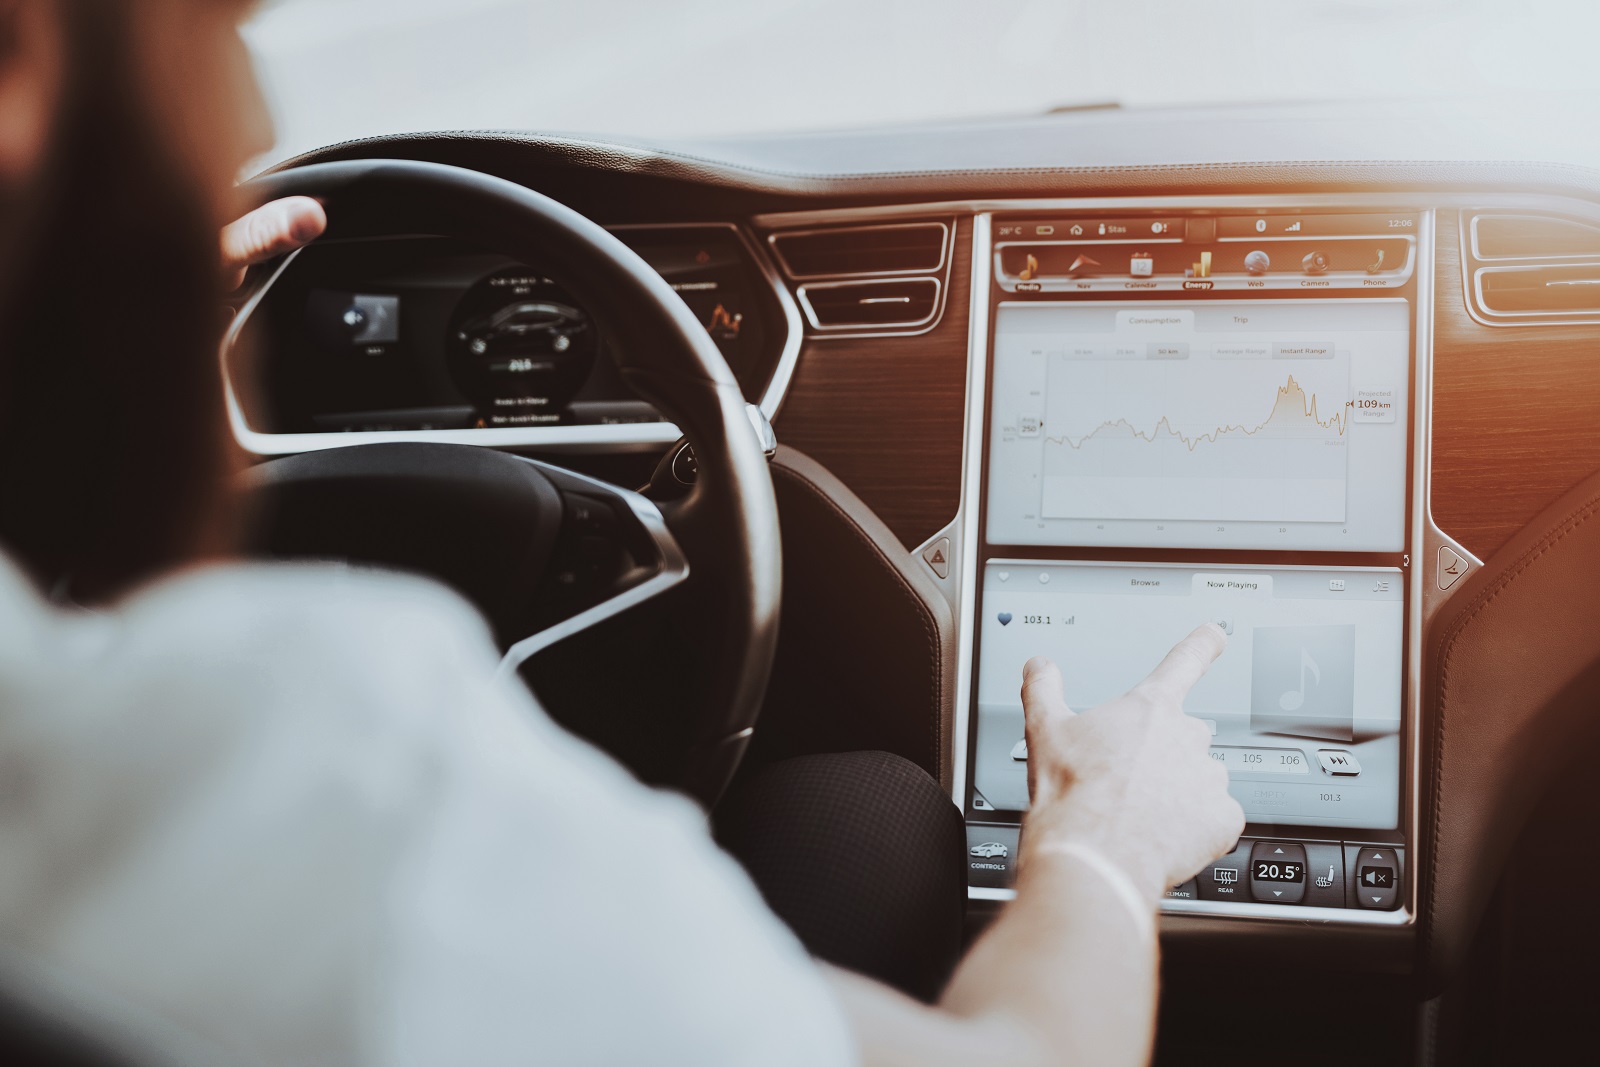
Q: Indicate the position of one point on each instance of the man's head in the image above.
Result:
(181, 61)
(122, 126)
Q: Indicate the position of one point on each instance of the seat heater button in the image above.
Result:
(1325, 869)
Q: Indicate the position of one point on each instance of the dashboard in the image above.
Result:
(1179, 414)
(1077, 409)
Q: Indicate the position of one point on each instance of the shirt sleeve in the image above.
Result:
(551, 909)
(318, 831)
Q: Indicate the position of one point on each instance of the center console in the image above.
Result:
(1206, 412)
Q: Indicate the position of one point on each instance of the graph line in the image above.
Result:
(1293, 408)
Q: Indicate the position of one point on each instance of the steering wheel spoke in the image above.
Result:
(615, 552)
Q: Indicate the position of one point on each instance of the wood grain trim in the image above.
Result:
(885, 414)
(1516, 412)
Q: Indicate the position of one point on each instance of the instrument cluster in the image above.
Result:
(425, 334)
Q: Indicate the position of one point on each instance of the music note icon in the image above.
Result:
(1320, 702)
(1295, 699)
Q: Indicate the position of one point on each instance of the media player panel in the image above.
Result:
(1304, 707)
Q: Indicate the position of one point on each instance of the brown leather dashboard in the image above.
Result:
(1514, 683)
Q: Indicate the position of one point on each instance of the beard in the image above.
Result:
(112, 443)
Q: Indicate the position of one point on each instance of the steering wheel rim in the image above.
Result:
(728, 524)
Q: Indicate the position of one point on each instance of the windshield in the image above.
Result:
(648, 69)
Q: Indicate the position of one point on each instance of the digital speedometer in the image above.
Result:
(520, 349)
(422, 334)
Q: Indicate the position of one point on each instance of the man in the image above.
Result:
(288, 810)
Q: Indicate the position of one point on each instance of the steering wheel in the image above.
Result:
(502, 528)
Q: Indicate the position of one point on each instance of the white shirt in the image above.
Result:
(287, 808)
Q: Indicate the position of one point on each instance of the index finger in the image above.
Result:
(1189, 660)
(1042, 689)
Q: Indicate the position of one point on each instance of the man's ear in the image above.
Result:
(31, 66)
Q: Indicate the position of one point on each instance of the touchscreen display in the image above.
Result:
(1265, 424)
(1304, 706)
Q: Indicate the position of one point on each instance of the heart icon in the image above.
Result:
(1005, 618)
(1004, 576)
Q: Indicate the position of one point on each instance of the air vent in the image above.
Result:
(869, 305)
(1525, 269)
(1532, 237)
(901, 248)
(1540, 290)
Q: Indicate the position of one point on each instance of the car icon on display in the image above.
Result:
(990, 850)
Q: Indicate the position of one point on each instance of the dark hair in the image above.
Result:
(111, 435)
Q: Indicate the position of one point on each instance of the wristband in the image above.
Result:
(1114, 877)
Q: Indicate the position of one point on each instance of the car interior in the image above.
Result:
(1329, 407)
(805, 443)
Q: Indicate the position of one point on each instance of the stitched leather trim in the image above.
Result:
(929, 629)
(1571, 521)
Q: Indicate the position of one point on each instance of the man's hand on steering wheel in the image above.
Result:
(268, 232)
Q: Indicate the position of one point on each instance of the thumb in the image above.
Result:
(272, 230)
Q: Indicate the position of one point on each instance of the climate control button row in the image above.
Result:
(1314, 874)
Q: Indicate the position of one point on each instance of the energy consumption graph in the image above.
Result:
(1222, 432)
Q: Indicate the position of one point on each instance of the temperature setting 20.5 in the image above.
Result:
(1278, 872)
